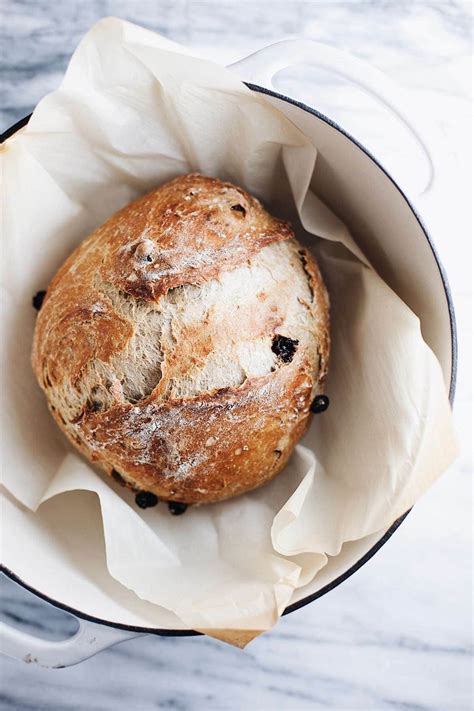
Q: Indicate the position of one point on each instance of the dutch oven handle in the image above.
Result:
(260, 68)
(89, 639)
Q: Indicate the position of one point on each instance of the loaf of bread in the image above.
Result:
(181, 345)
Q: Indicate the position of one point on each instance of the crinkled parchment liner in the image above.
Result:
(133, 111)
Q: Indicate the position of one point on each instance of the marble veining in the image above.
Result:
(397, 635)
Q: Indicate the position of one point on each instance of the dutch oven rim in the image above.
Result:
(388, 534)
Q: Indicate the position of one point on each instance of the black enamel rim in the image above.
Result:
(370, 553)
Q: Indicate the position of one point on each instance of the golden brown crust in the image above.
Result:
(231, 440)
(320, 313)
(196, 227)
(217, 442)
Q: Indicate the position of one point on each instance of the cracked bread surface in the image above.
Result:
(181, 344)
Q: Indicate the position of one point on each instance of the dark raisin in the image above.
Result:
(277, 452)
(239, 208)
(284, 348)
(145, 499)
(38, 299)
(319, 404)
(118, 477)
(177, 508)
(93, 406)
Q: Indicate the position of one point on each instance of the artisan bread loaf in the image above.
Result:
(181, 344)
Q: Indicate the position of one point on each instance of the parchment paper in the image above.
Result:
(134, 111)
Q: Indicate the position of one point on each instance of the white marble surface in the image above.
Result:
(397, 634)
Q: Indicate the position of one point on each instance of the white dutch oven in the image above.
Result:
(389, 231)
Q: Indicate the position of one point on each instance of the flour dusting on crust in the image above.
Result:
(182, 343)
